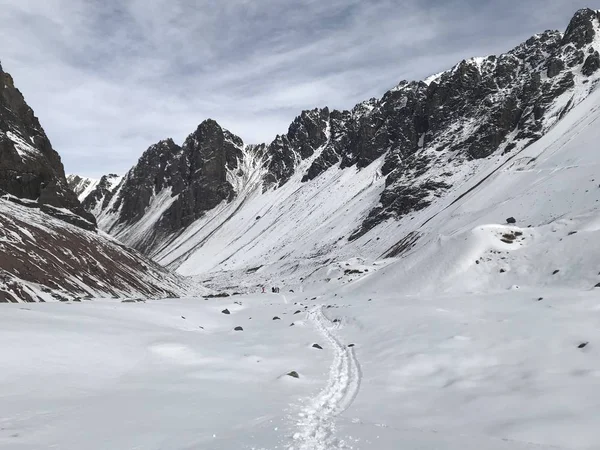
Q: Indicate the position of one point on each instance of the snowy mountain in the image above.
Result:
(94, 195)
(437, 250)
(44, 258)
(50, 248)
(29, 167)
(81, 186)
(339, 181)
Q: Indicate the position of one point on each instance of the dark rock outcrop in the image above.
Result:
(29, 167)
(49, 248)
(592, 64)
(580, 31)
(100, 197)
(422, 134)
(193, 175)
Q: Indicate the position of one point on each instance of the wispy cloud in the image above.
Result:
(109, 78)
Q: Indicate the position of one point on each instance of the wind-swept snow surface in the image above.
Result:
(494, 372)
(316, 427)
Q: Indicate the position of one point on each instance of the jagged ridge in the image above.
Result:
(29, 167)
(427, 135)
(49, 245)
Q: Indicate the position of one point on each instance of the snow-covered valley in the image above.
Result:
(481, 334)
(471, 371)
(439, 275)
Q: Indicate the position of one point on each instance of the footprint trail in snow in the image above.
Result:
(315, 430)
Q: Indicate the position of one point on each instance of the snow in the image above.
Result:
(334, 202)
(430, 79)
(159, 204)
(480, 334)
(113, 182)
(24, 148)
(496, 371)
(449, 352)
(316, 426)
(90, 185)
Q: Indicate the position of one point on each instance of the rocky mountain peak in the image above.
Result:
(308, 131)
(422, 134)
(582, 28)
(180, 182)
(213, 149)
(30, 168)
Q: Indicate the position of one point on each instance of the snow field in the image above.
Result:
(495, 371)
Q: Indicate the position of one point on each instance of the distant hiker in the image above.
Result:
(263, 289)
(273, 290)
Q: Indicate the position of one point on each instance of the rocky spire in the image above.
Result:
(29, 167)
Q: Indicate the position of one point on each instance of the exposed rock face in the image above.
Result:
(49, 248)
(581, 30)
(306, 134)
(99, 197)
(81, 186)
(421, 133)
(29, 167)
(592, 64)
(195, 177)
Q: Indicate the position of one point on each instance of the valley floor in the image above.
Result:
(495, 371)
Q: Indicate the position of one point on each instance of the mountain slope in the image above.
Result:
(50, 248)
(172, 186)
(29, 167)
(551, 189)
(467, 322)
(81, 186)
(43, 258)
(339, 180)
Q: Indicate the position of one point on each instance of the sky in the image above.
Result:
(108, 78)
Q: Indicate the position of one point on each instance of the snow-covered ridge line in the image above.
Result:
(82, 186)
(344, 183)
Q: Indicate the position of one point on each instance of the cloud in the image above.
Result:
(109, 78)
